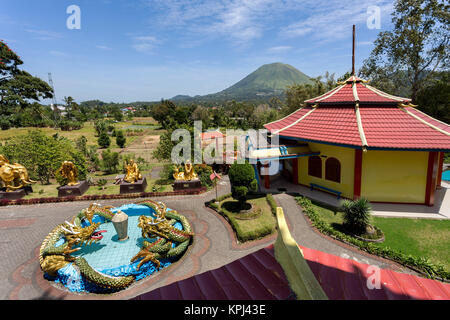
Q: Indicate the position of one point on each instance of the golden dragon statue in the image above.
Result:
(165, 234)
(54, 258)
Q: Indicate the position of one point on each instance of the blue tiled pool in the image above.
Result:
(110, 256)
(446, 175)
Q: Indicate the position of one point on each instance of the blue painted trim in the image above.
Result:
(360, 147)
(256, 175)
(405, 149)
(288, 157)
(323, 142)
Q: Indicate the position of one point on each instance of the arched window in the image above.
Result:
(315, 166)
(333, 170)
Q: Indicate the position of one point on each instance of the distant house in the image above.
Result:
(128, 109)
(211, 135)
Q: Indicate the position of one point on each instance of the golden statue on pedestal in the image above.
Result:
(188, 174)
(69, 171)
(13, 176)
(133, 174)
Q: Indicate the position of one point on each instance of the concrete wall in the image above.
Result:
(394, 176)
(346, 157)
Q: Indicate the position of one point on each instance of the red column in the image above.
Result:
(295, 170)
(441, 164)
(358, 174)
(432, 171)
(266, 177)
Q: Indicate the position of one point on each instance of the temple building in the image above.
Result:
(357, 141)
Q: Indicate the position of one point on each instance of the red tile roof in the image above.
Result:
(394, 128)
(211, 135)
(259, 276)
(357, 115)
(354, 90)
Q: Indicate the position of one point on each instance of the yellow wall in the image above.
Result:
(346, 157)
(394, 176)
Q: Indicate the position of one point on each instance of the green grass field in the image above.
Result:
(427, 238)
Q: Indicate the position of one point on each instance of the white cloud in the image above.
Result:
(103, 47)
(333, 22)
(279, 49)
(242, 21)
(44, 34)
(144, 44)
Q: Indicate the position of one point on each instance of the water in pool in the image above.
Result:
(110, 256)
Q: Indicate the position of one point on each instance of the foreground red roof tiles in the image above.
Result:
(259, 276)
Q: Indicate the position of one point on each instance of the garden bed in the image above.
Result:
(101, 197)
(397, 246)
(254, 225)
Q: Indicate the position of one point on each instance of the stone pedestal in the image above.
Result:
(137, 187)
(13, 195)
(180, 185)
(75, 191)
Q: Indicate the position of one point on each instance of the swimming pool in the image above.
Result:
(446, 175)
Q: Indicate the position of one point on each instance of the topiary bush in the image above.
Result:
(242, 179)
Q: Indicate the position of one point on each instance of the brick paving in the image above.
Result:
(23, 229)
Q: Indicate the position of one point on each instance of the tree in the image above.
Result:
(416, 47)
(110, 161)
(120, 139)
(242, 179)
(297, 94)
(42, 155)
(434, 99)
(100, 126)
(19, 90)
(103, 140)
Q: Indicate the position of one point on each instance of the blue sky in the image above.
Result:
(145, 50)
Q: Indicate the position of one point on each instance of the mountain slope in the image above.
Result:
(267, 81)
(268, 78)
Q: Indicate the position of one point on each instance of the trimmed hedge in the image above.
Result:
(420, 264)
(5, 202)
(272, 203)
(235, 226)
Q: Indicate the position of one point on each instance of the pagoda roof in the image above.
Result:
(354, 90)
(357, 115)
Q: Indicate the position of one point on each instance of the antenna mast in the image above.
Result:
(353, 53)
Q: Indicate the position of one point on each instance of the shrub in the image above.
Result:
(242, 178)
(204, 171)
(103, 140)
(120, 139)
(356, 215)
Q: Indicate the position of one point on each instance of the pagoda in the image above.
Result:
(364, 142)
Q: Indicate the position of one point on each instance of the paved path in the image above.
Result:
(306, 236)
(440, 210)
(23, 229)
